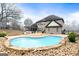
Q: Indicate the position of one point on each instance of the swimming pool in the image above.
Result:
(34, 42)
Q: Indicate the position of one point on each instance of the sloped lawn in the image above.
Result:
(12, 32)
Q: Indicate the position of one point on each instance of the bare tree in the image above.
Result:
(9, 10)
(28, 22)
(15, 25)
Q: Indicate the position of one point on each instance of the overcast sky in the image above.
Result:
(37, 11)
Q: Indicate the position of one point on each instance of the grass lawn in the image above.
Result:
(12, 32)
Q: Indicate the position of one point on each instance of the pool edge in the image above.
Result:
(8, 38)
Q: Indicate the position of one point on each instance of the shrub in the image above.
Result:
(2, 34)
(72, 36)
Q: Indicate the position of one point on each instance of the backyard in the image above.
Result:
(69, 49)
(22, 34)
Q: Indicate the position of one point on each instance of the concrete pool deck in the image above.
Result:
(8, 38)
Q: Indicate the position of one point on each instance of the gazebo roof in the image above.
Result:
(50, 18)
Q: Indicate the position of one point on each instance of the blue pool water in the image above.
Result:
(31, 42)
